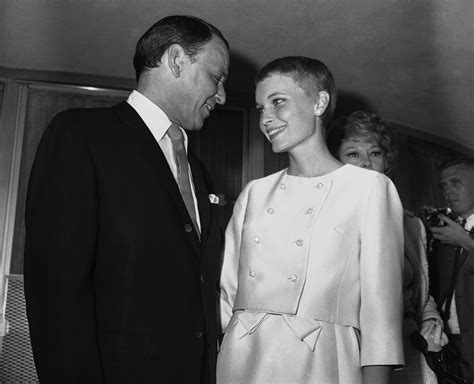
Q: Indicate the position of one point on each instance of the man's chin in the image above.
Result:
(194, 126)
(458, 210)
(197, 126)
(454, 207)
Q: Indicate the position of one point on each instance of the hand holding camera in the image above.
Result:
(447, 227)
(433, 217)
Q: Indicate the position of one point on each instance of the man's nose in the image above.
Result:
(221, 95)
(447, 191)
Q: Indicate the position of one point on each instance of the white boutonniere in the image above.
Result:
(213, 199)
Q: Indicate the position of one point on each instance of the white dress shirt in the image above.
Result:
(158, 124)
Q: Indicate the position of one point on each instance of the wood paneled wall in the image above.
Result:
(2, 89)
(43, 102)
(220, 147)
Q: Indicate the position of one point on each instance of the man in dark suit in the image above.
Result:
(122, 246)
(452, 266)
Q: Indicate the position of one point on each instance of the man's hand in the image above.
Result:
(434, 336)
(453, 233)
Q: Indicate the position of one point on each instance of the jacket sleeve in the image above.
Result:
(60, 246)
(381, 269)
(230, 265)
(469, 263)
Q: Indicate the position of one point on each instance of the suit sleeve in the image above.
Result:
(61, 235)
(469, 263)
(230, 265)
(381, 269)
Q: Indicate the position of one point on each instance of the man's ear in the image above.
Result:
(175, 60)
(322, 103)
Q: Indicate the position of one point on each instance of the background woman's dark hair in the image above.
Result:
(368, 126)
(188, 31)
(310, 74)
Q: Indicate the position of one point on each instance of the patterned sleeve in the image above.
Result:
(429, 311)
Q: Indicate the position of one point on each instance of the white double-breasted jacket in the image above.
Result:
(336, 256)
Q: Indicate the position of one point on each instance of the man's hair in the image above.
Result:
(368, 126)
(310, 74)
(188, 31)
(465, 161)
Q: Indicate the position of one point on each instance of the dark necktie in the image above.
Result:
(184, 184)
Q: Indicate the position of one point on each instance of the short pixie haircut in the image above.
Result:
(188, 31)
(366, 125)
(310, 74)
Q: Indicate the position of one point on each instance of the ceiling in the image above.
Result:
(411, 61)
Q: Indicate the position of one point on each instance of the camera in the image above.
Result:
(430, 216)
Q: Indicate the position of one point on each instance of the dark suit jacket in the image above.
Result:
(118, 287)
(442, 263)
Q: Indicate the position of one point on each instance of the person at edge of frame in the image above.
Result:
(452, 266)
(122, 245)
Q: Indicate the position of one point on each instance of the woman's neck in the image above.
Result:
(312, 164)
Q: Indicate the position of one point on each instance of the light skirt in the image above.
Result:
(273, 353)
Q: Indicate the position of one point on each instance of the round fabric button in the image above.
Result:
(256, 239)
(319, 185)
(252, 273)
(270, 211)
(299, 242)
(283, 186)
(198, 333)
(188, 228)
(309, 211)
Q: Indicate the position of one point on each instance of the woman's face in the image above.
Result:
(363, 152)
(287, 112)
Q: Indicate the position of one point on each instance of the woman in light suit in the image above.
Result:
(311, 280)
(362, 139)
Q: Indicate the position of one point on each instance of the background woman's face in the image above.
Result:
(363, 152)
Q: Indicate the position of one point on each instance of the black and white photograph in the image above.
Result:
(236, 192)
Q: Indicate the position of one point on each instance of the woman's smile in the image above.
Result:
(272, 132)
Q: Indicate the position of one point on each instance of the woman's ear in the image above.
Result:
(321, 103)
(175, 59)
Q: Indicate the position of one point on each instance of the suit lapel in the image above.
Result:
(201, 196)
(461, 256)
(151, 151)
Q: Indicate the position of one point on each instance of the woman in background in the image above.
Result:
(311, 284)
(363, 140)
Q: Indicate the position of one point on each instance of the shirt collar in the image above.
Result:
(469, 223)
(153, 116)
